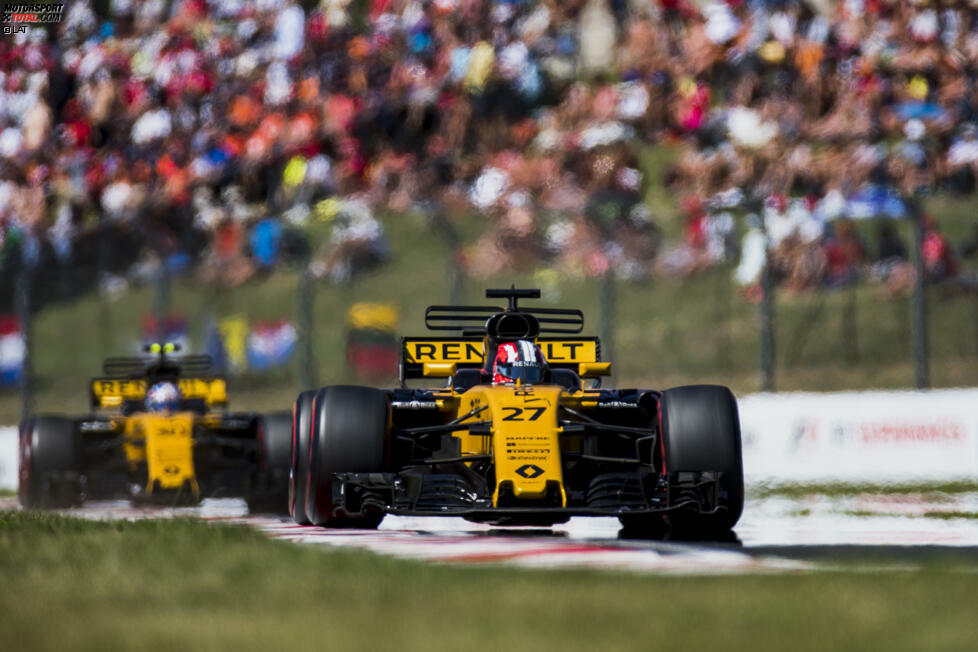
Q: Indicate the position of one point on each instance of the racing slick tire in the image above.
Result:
(700, 432)
(51, 473)
(299, 456)
(269, 490)
(349, 436)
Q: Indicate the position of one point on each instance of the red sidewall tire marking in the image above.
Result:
(294, 460)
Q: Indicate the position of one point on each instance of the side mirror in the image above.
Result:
(594, 369)
(438, 369)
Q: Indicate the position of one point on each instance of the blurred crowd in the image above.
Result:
(214, 136)
(817, 114)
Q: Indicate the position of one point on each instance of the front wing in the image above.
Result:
(415, 493)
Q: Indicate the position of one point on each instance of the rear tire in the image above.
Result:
(299, 458)
(350, 436)
(270, 483)
(51, 473)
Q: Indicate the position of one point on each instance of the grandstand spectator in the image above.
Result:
(940, 260)
(890, 248)
(891, 265)
(844, 253)
(528, 113)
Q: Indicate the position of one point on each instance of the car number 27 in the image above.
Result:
(516, 413)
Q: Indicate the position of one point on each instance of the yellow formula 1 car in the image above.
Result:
(196, 449)
(515, 437)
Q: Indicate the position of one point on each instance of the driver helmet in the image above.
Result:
(163, 397)
(521, 360)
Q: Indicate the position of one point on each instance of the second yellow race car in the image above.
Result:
(189, 449)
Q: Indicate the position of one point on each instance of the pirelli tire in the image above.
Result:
(701, 433)
(349, 435)
(269, 491)
(51, 471)
(299, 456)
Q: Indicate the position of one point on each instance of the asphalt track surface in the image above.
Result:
(775, 535)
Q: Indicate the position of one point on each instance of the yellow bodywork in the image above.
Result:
(524, 437)
(523, 440)
(165, 443)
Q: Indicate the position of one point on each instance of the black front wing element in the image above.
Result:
(420, 493)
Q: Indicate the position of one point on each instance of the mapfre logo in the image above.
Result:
(17, 17)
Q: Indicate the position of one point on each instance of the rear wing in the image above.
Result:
(190, 365)
(477, 319)
(467, 353)
(113, 392)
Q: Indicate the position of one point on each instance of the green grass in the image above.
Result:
(840, 489)
(174, 585)
(945, 516)
(667, 332)
(7, 493)
(863, 513)
(941, 515)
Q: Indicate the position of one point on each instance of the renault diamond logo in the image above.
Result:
(530, 471)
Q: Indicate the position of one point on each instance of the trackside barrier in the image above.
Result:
(797, 438)
(860, 437)
(8, 457)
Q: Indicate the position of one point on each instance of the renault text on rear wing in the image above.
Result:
(467, 352)
(113, 392)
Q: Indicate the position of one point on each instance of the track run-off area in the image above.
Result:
(776, 534)
(829, 476)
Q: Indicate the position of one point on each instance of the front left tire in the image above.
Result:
(699, 430)
(701, 434)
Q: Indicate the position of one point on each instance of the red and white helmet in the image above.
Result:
(520, 360)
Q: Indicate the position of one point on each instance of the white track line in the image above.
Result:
(479, 546)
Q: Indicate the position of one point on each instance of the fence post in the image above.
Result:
(850, 327)
(766, 325)
(606, 317)
(440, 224)
(722, 319)
(161, 300)
(103, 320)
(23, 303)
(305, 297)
(456, 279)
(974, 322)
(919, 345)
